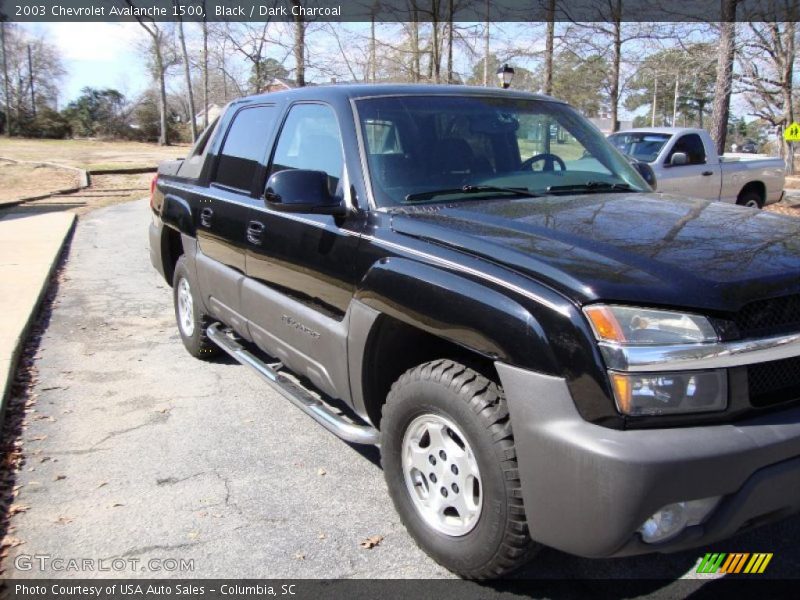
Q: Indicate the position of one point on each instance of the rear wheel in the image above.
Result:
(449, 460)
(749, 198)
(192, 323)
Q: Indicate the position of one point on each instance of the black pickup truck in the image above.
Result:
(547, 351)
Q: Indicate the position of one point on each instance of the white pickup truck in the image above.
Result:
(686, 162)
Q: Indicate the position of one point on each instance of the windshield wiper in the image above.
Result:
(599, 186)
(470, 189)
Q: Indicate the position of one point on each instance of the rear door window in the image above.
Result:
(245, 147)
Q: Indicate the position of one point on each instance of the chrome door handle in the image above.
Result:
(255, 230)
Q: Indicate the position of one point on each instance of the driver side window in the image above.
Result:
(691, 145)
(310, 139)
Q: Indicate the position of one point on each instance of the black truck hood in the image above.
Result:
(635, 248)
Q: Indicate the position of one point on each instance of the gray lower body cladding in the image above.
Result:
(587, 489)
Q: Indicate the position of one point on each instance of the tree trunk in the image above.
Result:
(655, 101)
(435, 49)
(617, 57)
(450, 41)
(163, 139)
(5, 79)
(372, 54)
(787, 93)
(415, 62)
(720, 111)
(299, 47)
(675, 104)
(188, 75)
(30, 82)
(224, 76)
(548, 50)
(486, 48)
(205, 74)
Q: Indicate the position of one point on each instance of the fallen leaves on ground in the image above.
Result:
(321, 472)
(372, 541)
(11, 542)
(16, 509)
(300, 555)
(59, 477)
(64, 520)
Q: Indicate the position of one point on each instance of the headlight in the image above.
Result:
(645, 394)
(632, 326)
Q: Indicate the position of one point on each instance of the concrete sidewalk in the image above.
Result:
(29, 250)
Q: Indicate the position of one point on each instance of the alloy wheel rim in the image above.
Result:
(441, 475)
(185, 308)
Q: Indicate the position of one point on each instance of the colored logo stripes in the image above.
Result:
(735, 562)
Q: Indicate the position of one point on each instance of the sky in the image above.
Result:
(98, 55)
(104, 55)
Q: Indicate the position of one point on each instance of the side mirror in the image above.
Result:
(679, 159)
(302, 191)
(647, 172)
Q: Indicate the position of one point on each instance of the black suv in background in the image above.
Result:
(547, 351)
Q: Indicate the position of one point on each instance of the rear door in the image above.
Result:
(300, 267)
(223, 211)
(698, 178)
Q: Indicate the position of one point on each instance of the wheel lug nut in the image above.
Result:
(455, 488)
(442, 455)
(454, 469)
(444, 492)
(433, 477)
(432, 459)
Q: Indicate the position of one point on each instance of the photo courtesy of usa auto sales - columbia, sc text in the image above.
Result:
(130, 589)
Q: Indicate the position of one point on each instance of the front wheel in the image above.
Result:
(448, 456)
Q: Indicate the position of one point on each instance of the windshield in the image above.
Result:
(641, 146)
(452, 148)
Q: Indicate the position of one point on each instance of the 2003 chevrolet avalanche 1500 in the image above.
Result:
(547, 351)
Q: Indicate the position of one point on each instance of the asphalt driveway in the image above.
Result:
(135, 450)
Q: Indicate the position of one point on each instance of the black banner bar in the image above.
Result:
(698, 11)
(360, 589)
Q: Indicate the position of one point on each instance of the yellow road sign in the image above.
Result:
(792, 133)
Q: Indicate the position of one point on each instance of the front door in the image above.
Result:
(695, 179)
(300, 267)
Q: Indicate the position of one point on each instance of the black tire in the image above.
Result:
(750, 198)
(499, 542)
(196, 342)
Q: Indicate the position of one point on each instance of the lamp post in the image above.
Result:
(504, 76)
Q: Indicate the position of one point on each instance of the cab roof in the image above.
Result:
(353, 91)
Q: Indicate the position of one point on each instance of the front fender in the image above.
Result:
(177, 213)
(459, 310)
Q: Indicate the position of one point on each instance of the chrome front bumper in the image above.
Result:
(691, 357)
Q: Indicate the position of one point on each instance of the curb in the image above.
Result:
(124, 171)
(9, 360)
(83, 181)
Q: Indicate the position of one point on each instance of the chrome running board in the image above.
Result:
(297, 395)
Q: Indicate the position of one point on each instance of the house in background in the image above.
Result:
(604, 124)
(278, 85)
(214, 110)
